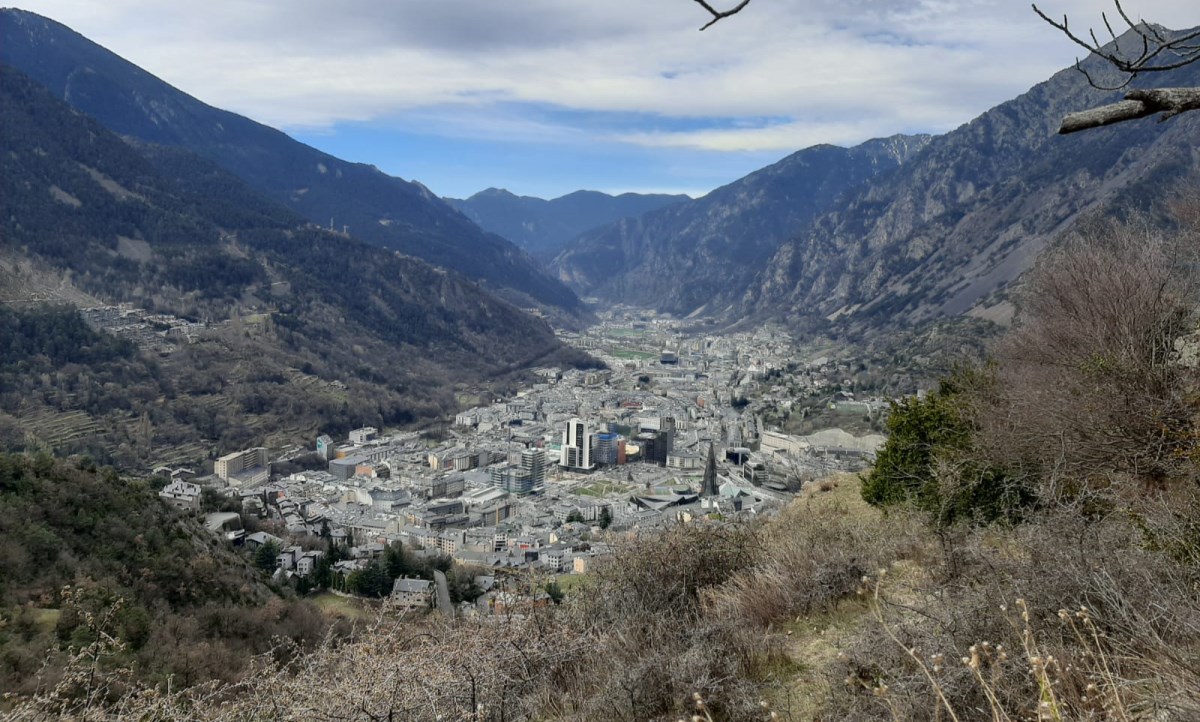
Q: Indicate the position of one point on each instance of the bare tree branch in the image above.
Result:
(1156, 52)
(720, 14)
(1137, 104)
(1149, 51)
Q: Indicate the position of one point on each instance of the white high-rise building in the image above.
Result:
(577, 446)
(526, 474)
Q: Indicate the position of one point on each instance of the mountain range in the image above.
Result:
(383, 210)
(970, 213)
(682, 257)
(896, 230)
(544, 227)
(893, 231)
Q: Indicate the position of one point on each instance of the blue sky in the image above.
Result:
(458, 152)
(544, 97)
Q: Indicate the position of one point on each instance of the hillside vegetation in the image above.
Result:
(1029, 552)
(76, 539)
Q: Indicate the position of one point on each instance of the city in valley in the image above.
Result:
(682, 427)
(548, 361)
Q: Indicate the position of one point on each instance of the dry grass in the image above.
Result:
(572, 583)
(841, 491)
(343, 607)
(46, 619)
(815, 554)
(813, 644)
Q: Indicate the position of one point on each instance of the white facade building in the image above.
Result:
(577, 445)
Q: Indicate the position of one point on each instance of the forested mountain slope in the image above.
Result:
(380, 209)
(192, 607)
(291, 309)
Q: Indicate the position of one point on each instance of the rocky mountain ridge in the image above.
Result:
(896, 231)
(965, 217)
(700, 255)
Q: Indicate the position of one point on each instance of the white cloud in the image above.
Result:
(823, 70)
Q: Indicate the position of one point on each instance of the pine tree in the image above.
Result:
(267, 557)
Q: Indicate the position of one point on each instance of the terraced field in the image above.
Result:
(58, 428)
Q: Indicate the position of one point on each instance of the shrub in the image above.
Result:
(1091, 392)
(1084, 585)
(930, 462)
(814, 556)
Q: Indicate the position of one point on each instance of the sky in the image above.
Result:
(544, 97)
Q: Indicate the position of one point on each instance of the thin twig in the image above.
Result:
(720, 14)
(1155, 45)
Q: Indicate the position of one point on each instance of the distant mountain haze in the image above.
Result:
(701, 254)
(383, 210)
(544, 227)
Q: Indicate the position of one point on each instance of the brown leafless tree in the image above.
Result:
(1151, 49)
(1092, 385)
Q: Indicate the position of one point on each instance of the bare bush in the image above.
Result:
(1106, 630)
(1088, 390)
(477, 671)
(653, 645)
(665, 573)
(814, 556)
